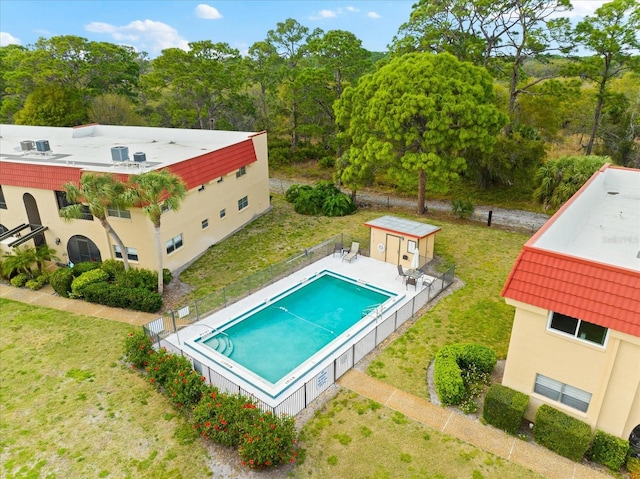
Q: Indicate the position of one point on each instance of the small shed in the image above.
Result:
(397, 240)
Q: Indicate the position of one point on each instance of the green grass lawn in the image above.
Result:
(69, 409)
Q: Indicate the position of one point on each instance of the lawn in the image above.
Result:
(70, 409)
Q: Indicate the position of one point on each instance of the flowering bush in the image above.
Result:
(223, 417)
(164, 366)
(186, 387)
(268, 441)
(138, 349)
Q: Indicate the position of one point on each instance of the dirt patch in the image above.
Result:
(174, 293)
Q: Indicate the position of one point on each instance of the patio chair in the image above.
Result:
(401, 273)
(352, 253)
(412, 281)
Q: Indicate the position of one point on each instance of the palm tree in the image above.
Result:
(154, 191)
(99, 193)
(44, 254)
(19, 260)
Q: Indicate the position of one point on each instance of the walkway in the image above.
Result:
(47, 298)
(529, 455)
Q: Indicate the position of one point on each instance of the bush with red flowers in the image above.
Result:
(268, 441)
(138, 349)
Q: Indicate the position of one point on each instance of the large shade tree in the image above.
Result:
(96, 194)
(419, 114)
(155, 191)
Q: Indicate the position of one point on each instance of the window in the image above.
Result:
(118, 213)
(164, 208)
(578, 328)
(205, 223)
(220, 180)
(61, 198)
(223, 213)
(563, 393)
(3, 203)
(174, 243)
(132, 253)
(243, 203)
(241, 172)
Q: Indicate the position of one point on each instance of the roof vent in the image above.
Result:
(119, 153)
(42, 146)
(139, 157)
(27, 145)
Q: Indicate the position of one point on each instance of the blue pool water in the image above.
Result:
(278, 337)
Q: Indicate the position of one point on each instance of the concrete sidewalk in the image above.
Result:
(47, 298)
(529, 455)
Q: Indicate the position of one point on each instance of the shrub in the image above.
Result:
(608, 450)
(292, 193)
(268, 441)
(224, 418)
(113, 267)
(61, 280)
(449, 381)
(115, 296)
(85, 266)
(167, 277)
(561, 433)
(38, 282)
(163, 366)
(19, 280)
(85, 279)
(186, 387)
(327, 162)
(309, 202)
(137, 349)
(462, 209)
(633, 466)
(504, 408)
(138, 278)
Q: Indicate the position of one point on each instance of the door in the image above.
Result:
(392, 249)
(33, 216)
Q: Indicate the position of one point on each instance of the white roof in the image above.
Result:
(91, 146)
(601, 223)
(401, 225)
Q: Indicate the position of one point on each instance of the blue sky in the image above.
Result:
(152, 25)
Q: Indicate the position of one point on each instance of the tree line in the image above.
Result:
(481, 89)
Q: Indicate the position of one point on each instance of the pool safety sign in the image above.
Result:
(323, 377)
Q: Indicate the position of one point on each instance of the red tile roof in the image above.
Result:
(45, 177)
(194, 171)
(598, 293)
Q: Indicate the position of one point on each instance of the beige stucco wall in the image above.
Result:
(610, 373)
(138, 232)
(395, 246)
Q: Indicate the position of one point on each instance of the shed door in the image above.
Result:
(392, 249)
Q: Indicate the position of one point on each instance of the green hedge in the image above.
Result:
(61, 280)
(85, 279)
(85, 266)
(561, 433)
(137, 299)
(504, 408)
(447, 370)
(608, 450)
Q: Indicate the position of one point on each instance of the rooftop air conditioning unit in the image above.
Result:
(139, 157)
(119, 153)
(27, 145)
(42, 146)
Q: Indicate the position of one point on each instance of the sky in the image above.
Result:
(153, 25)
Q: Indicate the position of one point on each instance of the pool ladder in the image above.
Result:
(222, 344)
(371, 309)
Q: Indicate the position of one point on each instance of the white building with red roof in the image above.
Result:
(226, 173)
(575, 343)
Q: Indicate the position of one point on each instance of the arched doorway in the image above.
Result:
(81, 249)
(33, 215)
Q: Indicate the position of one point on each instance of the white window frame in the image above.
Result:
(575, 335)
(564, 393)
(132, 253)
(116, 212)
(223, 213)
(174, 244)
(243, 203)
(241, 171)
(205, 223)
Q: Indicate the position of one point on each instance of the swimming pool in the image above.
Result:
(276, 343)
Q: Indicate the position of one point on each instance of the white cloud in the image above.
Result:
(8, 39)
(143, 35)
(328, 14)
(373, 15)
(352, 9)
(322, 14)
(207, 12)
